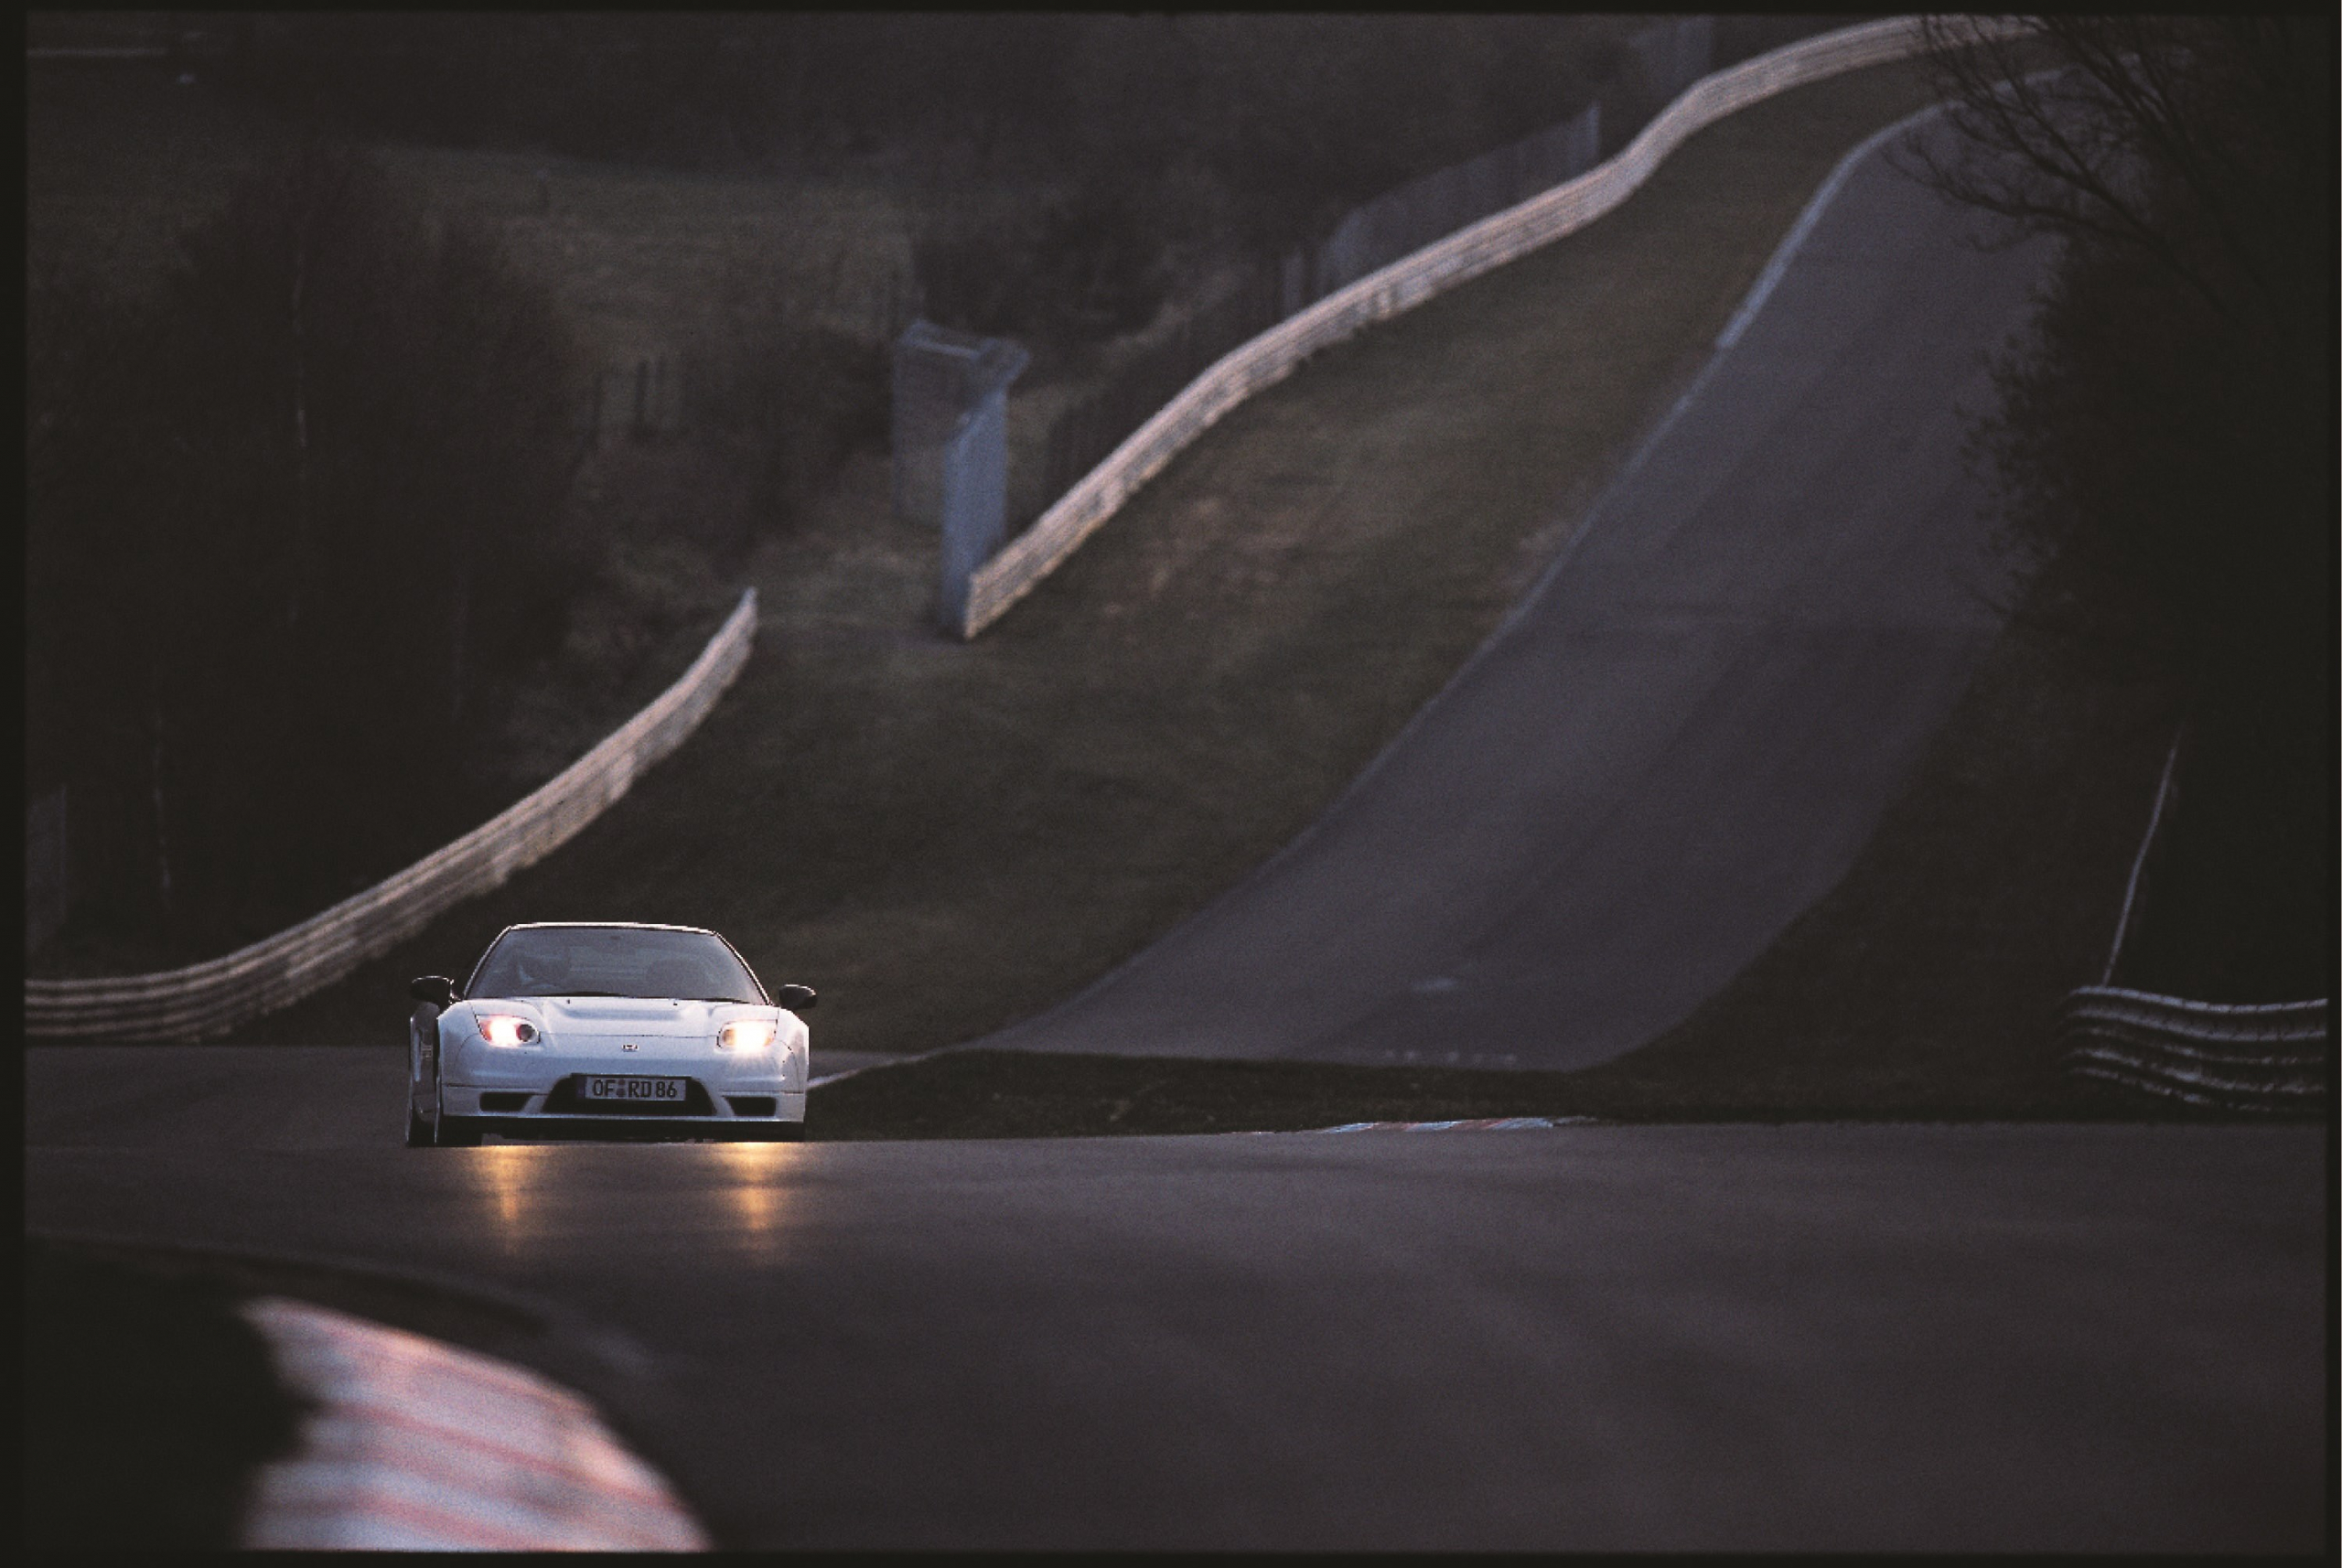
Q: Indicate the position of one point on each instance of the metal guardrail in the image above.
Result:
(1463, 256)
(215, 996)
(2271, 1056)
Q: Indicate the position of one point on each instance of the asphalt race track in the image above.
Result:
(1803, 1337)
(1976, 1337)
(1684, 737)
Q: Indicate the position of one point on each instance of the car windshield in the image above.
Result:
(614, 960)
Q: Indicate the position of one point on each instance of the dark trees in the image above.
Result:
(2170, 437)
(1142, 135)
(286, 520)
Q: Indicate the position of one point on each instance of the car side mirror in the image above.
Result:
(435, 989)
(796, 998)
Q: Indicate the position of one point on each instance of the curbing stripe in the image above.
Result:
(399, 1511)
(454, 1451)
(1477, 1124)
(400, 1455)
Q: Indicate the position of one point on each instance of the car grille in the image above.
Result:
(565, 1100)
(503, 1099)
(752, 1104)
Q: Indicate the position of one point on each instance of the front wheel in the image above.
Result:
(422, 1084)
(438, 1129)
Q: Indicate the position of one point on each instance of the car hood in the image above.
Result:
(632, 1017)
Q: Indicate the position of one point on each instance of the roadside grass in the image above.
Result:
(944, 838)
(1011, 1094)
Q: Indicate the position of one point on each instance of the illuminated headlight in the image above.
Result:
(748, 1034)
(503, 1029)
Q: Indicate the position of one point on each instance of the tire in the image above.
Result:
(423, 1072)
(439, 1129)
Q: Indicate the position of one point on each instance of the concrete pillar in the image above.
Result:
(950, 446)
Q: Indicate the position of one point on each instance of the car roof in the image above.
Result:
(606, 924)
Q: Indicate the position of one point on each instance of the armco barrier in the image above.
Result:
(1408, 282)
(215, 996)
(2273, 1057)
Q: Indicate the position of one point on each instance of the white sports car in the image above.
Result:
(566, 1028)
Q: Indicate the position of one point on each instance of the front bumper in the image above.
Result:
(717, 1104)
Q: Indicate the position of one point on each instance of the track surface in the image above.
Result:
(1807, 1337)
(1803, 1337)
(1683, 738)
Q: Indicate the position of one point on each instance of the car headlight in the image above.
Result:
(503, 1029)
(748, 1034)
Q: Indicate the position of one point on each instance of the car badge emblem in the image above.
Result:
(628, 1047)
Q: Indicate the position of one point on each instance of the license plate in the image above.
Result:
(653, 1089)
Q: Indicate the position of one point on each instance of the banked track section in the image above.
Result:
(1441, 265)
(1683, 736)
